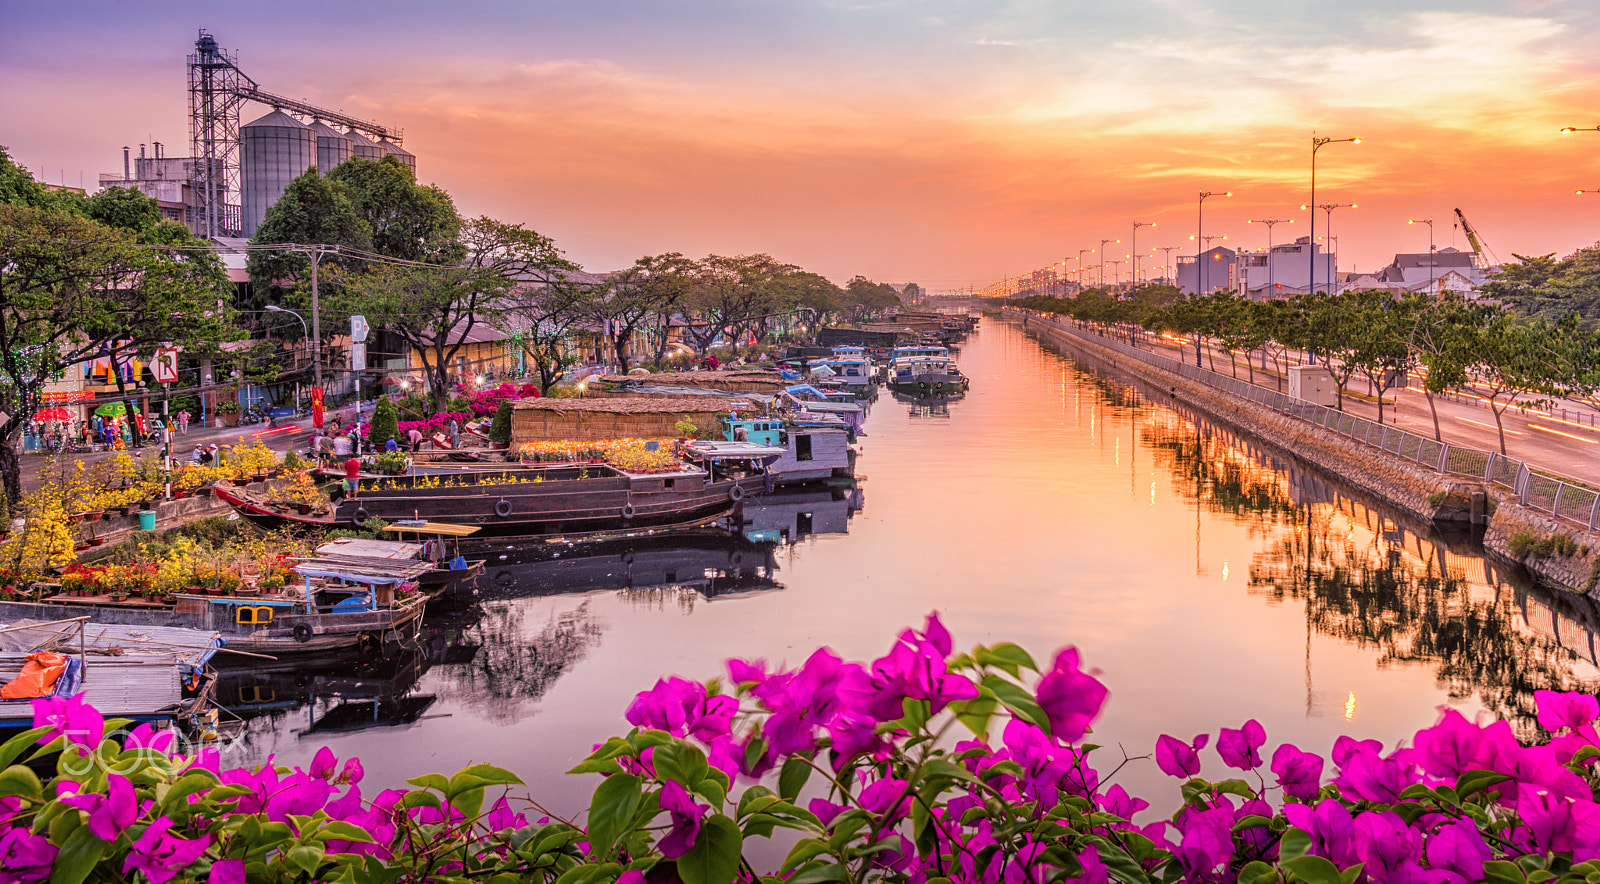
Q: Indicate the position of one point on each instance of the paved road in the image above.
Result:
(1567, 446)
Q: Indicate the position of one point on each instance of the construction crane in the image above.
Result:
(1478, 247)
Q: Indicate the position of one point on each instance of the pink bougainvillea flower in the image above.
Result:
(1207, 839)
(227, 871)
(26, 858)
(1457, 852)
(147, 737)
(686, 815)
(683, 708)
(1388, 847)
(1177, 758)
(1117, 802)
(323, 764)
(1330, 826)
(1094, 871)
(1345, 745)
(1299, 773)
(112, 813)
(69, 717)
(1071, 698)
(1558, 710)
(162, 855)
(1368, 777)
(1242, 748)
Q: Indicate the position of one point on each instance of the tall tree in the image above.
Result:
(732, 292)
(1518, 361)
(73, 290)
(1444, 337)
(433, 308)
(648, 291)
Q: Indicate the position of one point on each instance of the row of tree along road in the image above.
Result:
(1499, 354)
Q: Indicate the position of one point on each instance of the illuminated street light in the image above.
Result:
(1133, 248)
(1429, 222)
(1316, 145)
(1568, 130)
(1103, 243)
(1272, 284)
(1199, 241)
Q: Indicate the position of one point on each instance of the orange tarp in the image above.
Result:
(38, 676)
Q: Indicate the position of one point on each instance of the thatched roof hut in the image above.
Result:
(742, 381)
(543, 420)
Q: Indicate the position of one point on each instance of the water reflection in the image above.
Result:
(1411, 593)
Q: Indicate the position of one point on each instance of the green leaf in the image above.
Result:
(1505, 872)
(1006, 656)
(480, 776)
(974, 714)
(792, 778)
(1257, 872)
(681, 762)
(77, 857)
(20, 780)
(421, 799)
(1293, 844)
(19, 744)
(1314, 869)
(754, 800)
(715, 856)
(803, 852)
(1253, 821)
(597, 765)
(339, 830)
(306, 857)
(433, 781)
(1474, 781)
(1017, 699)
(176, 801)
(820, 874)
(914, 714)
(611, 810)
(1235, 787)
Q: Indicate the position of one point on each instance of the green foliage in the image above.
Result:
(500, 428)
(1523, 544)
(385, 423)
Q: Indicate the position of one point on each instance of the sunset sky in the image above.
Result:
(947, 143)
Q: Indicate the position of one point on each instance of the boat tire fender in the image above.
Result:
(361, 514)
(736, 493)
(302, 632)
(502, 507)
(629, 511)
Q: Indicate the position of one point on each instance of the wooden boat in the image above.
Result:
(448, 567)
(532, 501)
(152, 674)
(807, 454)
(338, 606)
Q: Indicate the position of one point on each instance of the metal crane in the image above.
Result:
(1478, 246)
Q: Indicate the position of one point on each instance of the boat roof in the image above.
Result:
(370, 549)
(359, 569)
(424, 526)
(717, 448)
(169, 644)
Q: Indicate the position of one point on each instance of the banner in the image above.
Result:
(316, 407)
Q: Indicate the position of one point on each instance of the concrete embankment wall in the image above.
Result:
(1402, 485)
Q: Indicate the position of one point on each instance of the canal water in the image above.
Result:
(1209, 582)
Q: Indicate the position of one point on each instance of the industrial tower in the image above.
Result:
(217, 91)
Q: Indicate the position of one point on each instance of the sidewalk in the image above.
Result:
(1564, 447)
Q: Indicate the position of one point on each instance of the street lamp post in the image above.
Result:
(1133, 247)
(1429, 222)
(1167, 264)
(316, 353)
(1103, 244)
(1311, 241)
(1327, 216)
(1199, 240)
(1597, 190)
(1272, 283)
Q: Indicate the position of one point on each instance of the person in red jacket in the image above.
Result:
(352, 477)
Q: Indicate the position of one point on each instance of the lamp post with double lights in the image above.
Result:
(1327, 213)
(1311, 241)
(1272, 283)
(1429, 222)
(1103, 244)
(1200, 239)
(1133, 249)
(1168, 264)
(1081, 253)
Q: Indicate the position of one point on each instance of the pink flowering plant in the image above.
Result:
(923, 766)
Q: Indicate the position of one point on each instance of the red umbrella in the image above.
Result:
(52, 414)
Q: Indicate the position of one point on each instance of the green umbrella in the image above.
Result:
(112, 409)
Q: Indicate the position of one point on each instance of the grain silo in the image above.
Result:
(276, 150)
(365, 147)
(333, 146)
(405, 157)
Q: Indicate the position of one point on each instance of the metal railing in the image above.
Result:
(1536, 489)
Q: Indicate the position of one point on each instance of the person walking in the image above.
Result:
(352, 477)
(455, 434)
(183, 421)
